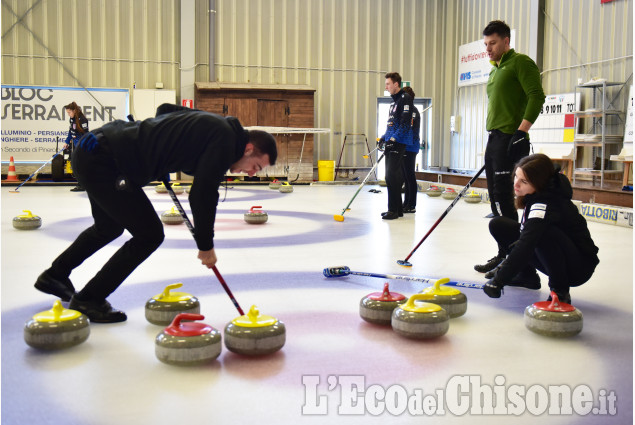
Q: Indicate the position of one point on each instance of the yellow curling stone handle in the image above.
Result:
(438, 290)
(170, 297)
(57, 314)
(253, 319)
(421, 307)
(28, 214)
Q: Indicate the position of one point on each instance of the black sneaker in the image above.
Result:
(384, 213)
(526, 279)
(390, 215)
(61, 288)
(78, 189)
(490, 265)
(98, 311)
(410, 210)
(562, 297)
(493, 289)
(490, 274)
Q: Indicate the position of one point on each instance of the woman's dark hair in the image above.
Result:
(79, 115)
(264, 143)
(410, 91)
(498, 27)
(395, 77)
(539, 171)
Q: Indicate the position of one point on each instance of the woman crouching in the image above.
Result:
(552, 236)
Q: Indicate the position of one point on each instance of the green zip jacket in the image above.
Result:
(514, 92)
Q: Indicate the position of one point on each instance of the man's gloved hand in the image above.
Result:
(518, 146)
(88, 142)
(381, 144)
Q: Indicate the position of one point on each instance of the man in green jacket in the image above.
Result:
(515, 99)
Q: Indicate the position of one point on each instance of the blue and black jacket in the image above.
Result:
(400, 119)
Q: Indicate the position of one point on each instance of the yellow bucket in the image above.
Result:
(326, 171)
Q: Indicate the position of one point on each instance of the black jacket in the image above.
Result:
(198, 143)
(551, 207)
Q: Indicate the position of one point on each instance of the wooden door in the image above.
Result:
(245, 109)
(274, 113)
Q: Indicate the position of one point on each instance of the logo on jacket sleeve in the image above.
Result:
(537, 211)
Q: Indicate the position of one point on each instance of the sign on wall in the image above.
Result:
(33, 117)
(556, 122)
(474, 66)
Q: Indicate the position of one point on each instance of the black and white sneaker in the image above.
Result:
(493, 289)
(490, 265)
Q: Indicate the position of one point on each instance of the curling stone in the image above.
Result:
(187, 188)
(450, 299)
(449, 193)
(275, 184)
(553, 318)
(420, 321)
(172, 217)
(434, 191)
(56, 328)
(472, 198)
(177, 188)
(285, 187)
(27, 221)
(254, 334)
(163, 308)
(188, 343)
(377, 307)
(254, 216)
(160, 188)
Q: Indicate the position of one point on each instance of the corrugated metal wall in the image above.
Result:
(100, 43)
(576, 34)
(470, 103)
(342, 48)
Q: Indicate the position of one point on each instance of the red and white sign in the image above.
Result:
(188, 103)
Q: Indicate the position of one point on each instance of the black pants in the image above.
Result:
(113, 211)
(500, 182)
(555, 254)
(410, 180)
(394, 176)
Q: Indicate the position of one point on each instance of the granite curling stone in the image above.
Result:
(164, 307)
(160, 188)
(450, 299)
(285, 187)
(254, 334)
(56, 328)
(27, 221)
(553, 318)
(422, 320)
(472, 198)
(275, 184)
(377, 307)
(177, 188)
(256, 216)
(172, 216)
(449, 193)
(434, 191)
(188, 343)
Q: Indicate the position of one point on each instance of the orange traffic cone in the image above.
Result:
(11, 175)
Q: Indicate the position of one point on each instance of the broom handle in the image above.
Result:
(189, 225)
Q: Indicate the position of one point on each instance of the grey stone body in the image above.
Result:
(56, 335)
(188, 350)
(252, 341)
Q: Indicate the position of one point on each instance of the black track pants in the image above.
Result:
(410, 180)
(555, 254)
(113, 212)
(394, 175)
(499, 168)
